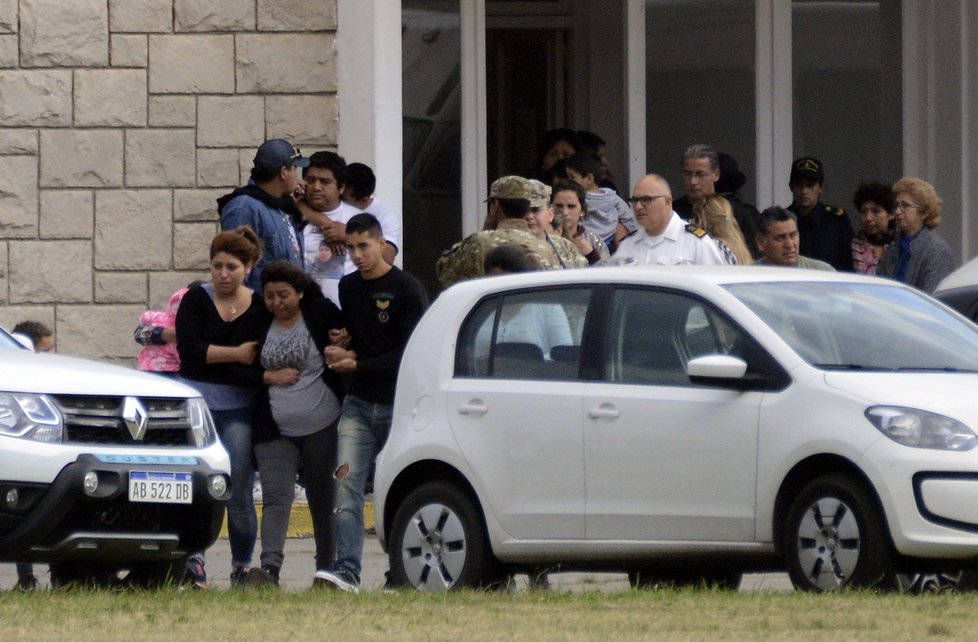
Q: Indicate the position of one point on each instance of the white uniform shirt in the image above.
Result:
(675, 246)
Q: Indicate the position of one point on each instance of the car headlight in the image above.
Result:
(29, 416)
(921, 429)
(201, 423)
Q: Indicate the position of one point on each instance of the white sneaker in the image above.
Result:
(300, 494)
(338, 578)
(256, 493)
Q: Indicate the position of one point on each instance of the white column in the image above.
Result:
(939, 96)
(635, 103)
(774, 100)
(475, 185)
(368, 69)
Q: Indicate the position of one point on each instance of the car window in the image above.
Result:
(654, 334)
(525, 335)
(863, 326)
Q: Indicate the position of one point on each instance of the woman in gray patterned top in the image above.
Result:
(295, 425)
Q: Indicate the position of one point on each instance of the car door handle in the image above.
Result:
(474, 407)
(604, 411)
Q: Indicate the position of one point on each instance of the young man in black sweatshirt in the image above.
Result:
(381, 304)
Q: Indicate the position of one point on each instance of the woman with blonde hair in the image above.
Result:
(715, 215)
(918, 257)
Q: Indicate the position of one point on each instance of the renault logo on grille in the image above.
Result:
(135, 417)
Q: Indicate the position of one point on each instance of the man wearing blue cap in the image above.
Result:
(267, 206)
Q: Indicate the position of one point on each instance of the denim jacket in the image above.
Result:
(273, 219)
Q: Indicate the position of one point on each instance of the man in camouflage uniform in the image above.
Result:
(567, 254)
(509, 201)
(826, 232)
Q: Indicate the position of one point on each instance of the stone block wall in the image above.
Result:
(121, 122)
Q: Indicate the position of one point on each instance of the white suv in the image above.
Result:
(684, 425)
(104, 469)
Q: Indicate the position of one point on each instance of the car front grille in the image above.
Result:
(99, 420)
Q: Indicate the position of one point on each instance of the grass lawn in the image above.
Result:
(626, 615)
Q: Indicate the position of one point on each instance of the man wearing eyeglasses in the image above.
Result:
(702, 171)
(663, 238)
(266, 204)
(826, 232)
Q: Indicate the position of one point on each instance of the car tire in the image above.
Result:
(438, 542)
(937, 582)
(69, 575)
(650, 578)
(835, 537)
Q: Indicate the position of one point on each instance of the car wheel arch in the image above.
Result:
(807, 470)
(421, 472)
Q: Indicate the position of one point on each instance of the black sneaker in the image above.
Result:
(26, 583)
(239, 577)
(264, 577)
(337, 577)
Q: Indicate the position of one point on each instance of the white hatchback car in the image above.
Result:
(684, 425)
(104, 470)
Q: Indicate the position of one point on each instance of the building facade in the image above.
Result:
(121, 121)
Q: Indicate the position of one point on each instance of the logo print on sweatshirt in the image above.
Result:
(382, 314)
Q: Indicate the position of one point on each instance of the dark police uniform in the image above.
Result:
(825, 234)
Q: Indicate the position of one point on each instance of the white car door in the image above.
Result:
(665, 459)
(515, 409)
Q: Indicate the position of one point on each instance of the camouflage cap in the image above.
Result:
(539, 193)
(510, 187)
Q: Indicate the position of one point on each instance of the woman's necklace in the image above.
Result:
(233, 306)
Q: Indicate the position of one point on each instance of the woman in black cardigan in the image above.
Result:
(297, 413)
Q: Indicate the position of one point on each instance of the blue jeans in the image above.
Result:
(234, 428)
(362, 432)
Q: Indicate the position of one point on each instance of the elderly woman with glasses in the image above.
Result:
(918, 256)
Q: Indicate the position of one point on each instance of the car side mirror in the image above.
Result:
(719, 370)
(23, 340)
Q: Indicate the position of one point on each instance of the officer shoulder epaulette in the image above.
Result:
(698, 232)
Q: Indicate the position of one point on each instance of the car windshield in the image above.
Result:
(863, 326)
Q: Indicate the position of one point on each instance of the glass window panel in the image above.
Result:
(431, 64)
(846, 73)
(700, 83)
(530, 335)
